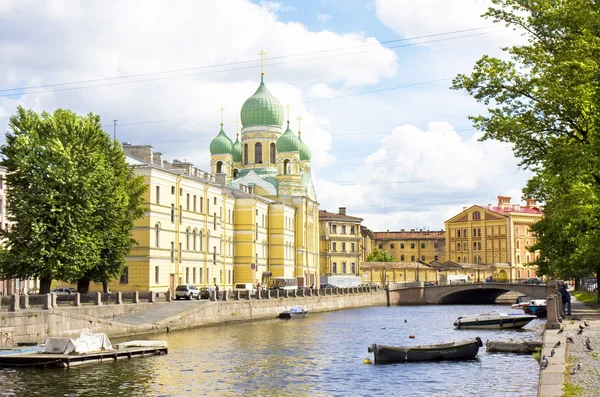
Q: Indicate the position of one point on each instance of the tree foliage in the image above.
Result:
(379, 256)
(545, 99)
(72, 197)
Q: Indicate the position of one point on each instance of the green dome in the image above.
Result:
(221, 144)
(288, 142)
(304, 150)
(262, 109)
(237, 150)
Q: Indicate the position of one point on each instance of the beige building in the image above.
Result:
(495, 235)
(411, 246)
(344, 244)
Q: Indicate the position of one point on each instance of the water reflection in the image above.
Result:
(320, 355)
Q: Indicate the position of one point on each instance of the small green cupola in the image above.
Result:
(222, 144)
(303, 149)
(288, 142)
(262, 109)
(236, 152)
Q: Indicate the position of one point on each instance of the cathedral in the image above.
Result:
(254, 216)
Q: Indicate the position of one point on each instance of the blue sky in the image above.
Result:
(398, 157)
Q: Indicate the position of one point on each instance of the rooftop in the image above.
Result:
(410, 235)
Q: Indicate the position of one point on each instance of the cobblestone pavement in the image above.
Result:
(583, 364)
(158, 311)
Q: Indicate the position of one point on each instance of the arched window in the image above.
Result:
(157, 234)
(286, 167)
(458, 260)
(201, 239)
(246, 153)
(187, 239)
(195, 235)
(272, 154)
(518, 258)
(258, 153)
(219, 167)
(458, 233)
(235, 172)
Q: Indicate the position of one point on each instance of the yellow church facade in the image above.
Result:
(254, 216)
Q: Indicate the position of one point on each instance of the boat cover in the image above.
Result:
(86, 343)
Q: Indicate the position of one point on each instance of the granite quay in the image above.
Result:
(115, 316)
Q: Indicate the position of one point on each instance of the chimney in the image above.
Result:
(342, 211)
(401, 230)
(531, 203)
(503, 202)
(489, 207)
(464, 208)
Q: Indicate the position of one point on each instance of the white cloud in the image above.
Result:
(76, 41)
(274, 6)
(323, 17)
(420, 178)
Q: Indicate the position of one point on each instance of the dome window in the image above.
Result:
(258, 153)
(272, 153)
(219, 167)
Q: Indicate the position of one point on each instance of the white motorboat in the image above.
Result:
(493, 320)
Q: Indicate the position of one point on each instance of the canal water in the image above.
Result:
(320, 355)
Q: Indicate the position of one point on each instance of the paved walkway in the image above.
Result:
(158, 312)
(587, 377)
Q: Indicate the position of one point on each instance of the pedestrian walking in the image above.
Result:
(566, 298)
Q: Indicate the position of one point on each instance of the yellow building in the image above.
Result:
(343, 244)
(382, 273)
(495, 235)
(254, 215)
(411, 246)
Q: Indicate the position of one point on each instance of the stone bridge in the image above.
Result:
(477, 293)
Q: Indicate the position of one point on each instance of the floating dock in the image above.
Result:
(36, 359)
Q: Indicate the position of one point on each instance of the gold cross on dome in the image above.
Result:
(237, 123)
(262, 61)
(299, 120)
(288, 107)
(221, 110)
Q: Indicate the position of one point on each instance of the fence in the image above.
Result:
(37, 302)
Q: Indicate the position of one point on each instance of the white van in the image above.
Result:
(244, 287)
(458, 279)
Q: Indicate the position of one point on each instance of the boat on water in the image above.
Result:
(294, 312)
(493, 320)
(521, 302)
(519, 347)
(536, 307)
(88, 348)
(453, 351)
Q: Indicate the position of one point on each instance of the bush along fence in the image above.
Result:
(15, 303)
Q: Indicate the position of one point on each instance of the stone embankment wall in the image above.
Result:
(36, 325)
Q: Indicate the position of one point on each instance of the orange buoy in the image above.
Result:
(411, 336)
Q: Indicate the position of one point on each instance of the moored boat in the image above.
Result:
(493, 320)
(521, 302)
(294, 312)
(522, 347)
(536, 307)
(453, 351)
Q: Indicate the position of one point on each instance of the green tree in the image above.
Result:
(379, 256)
(544, 100)
(72, 197)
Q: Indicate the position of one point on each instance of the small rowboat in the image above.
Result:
(452, 351)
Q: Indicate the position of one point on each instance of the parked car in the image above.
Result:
(204, 292)
(63, 291)
(533, 280)
(187, 291)
(428, 284)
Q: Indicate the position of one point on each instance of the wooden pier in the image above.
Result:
(50, 360)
